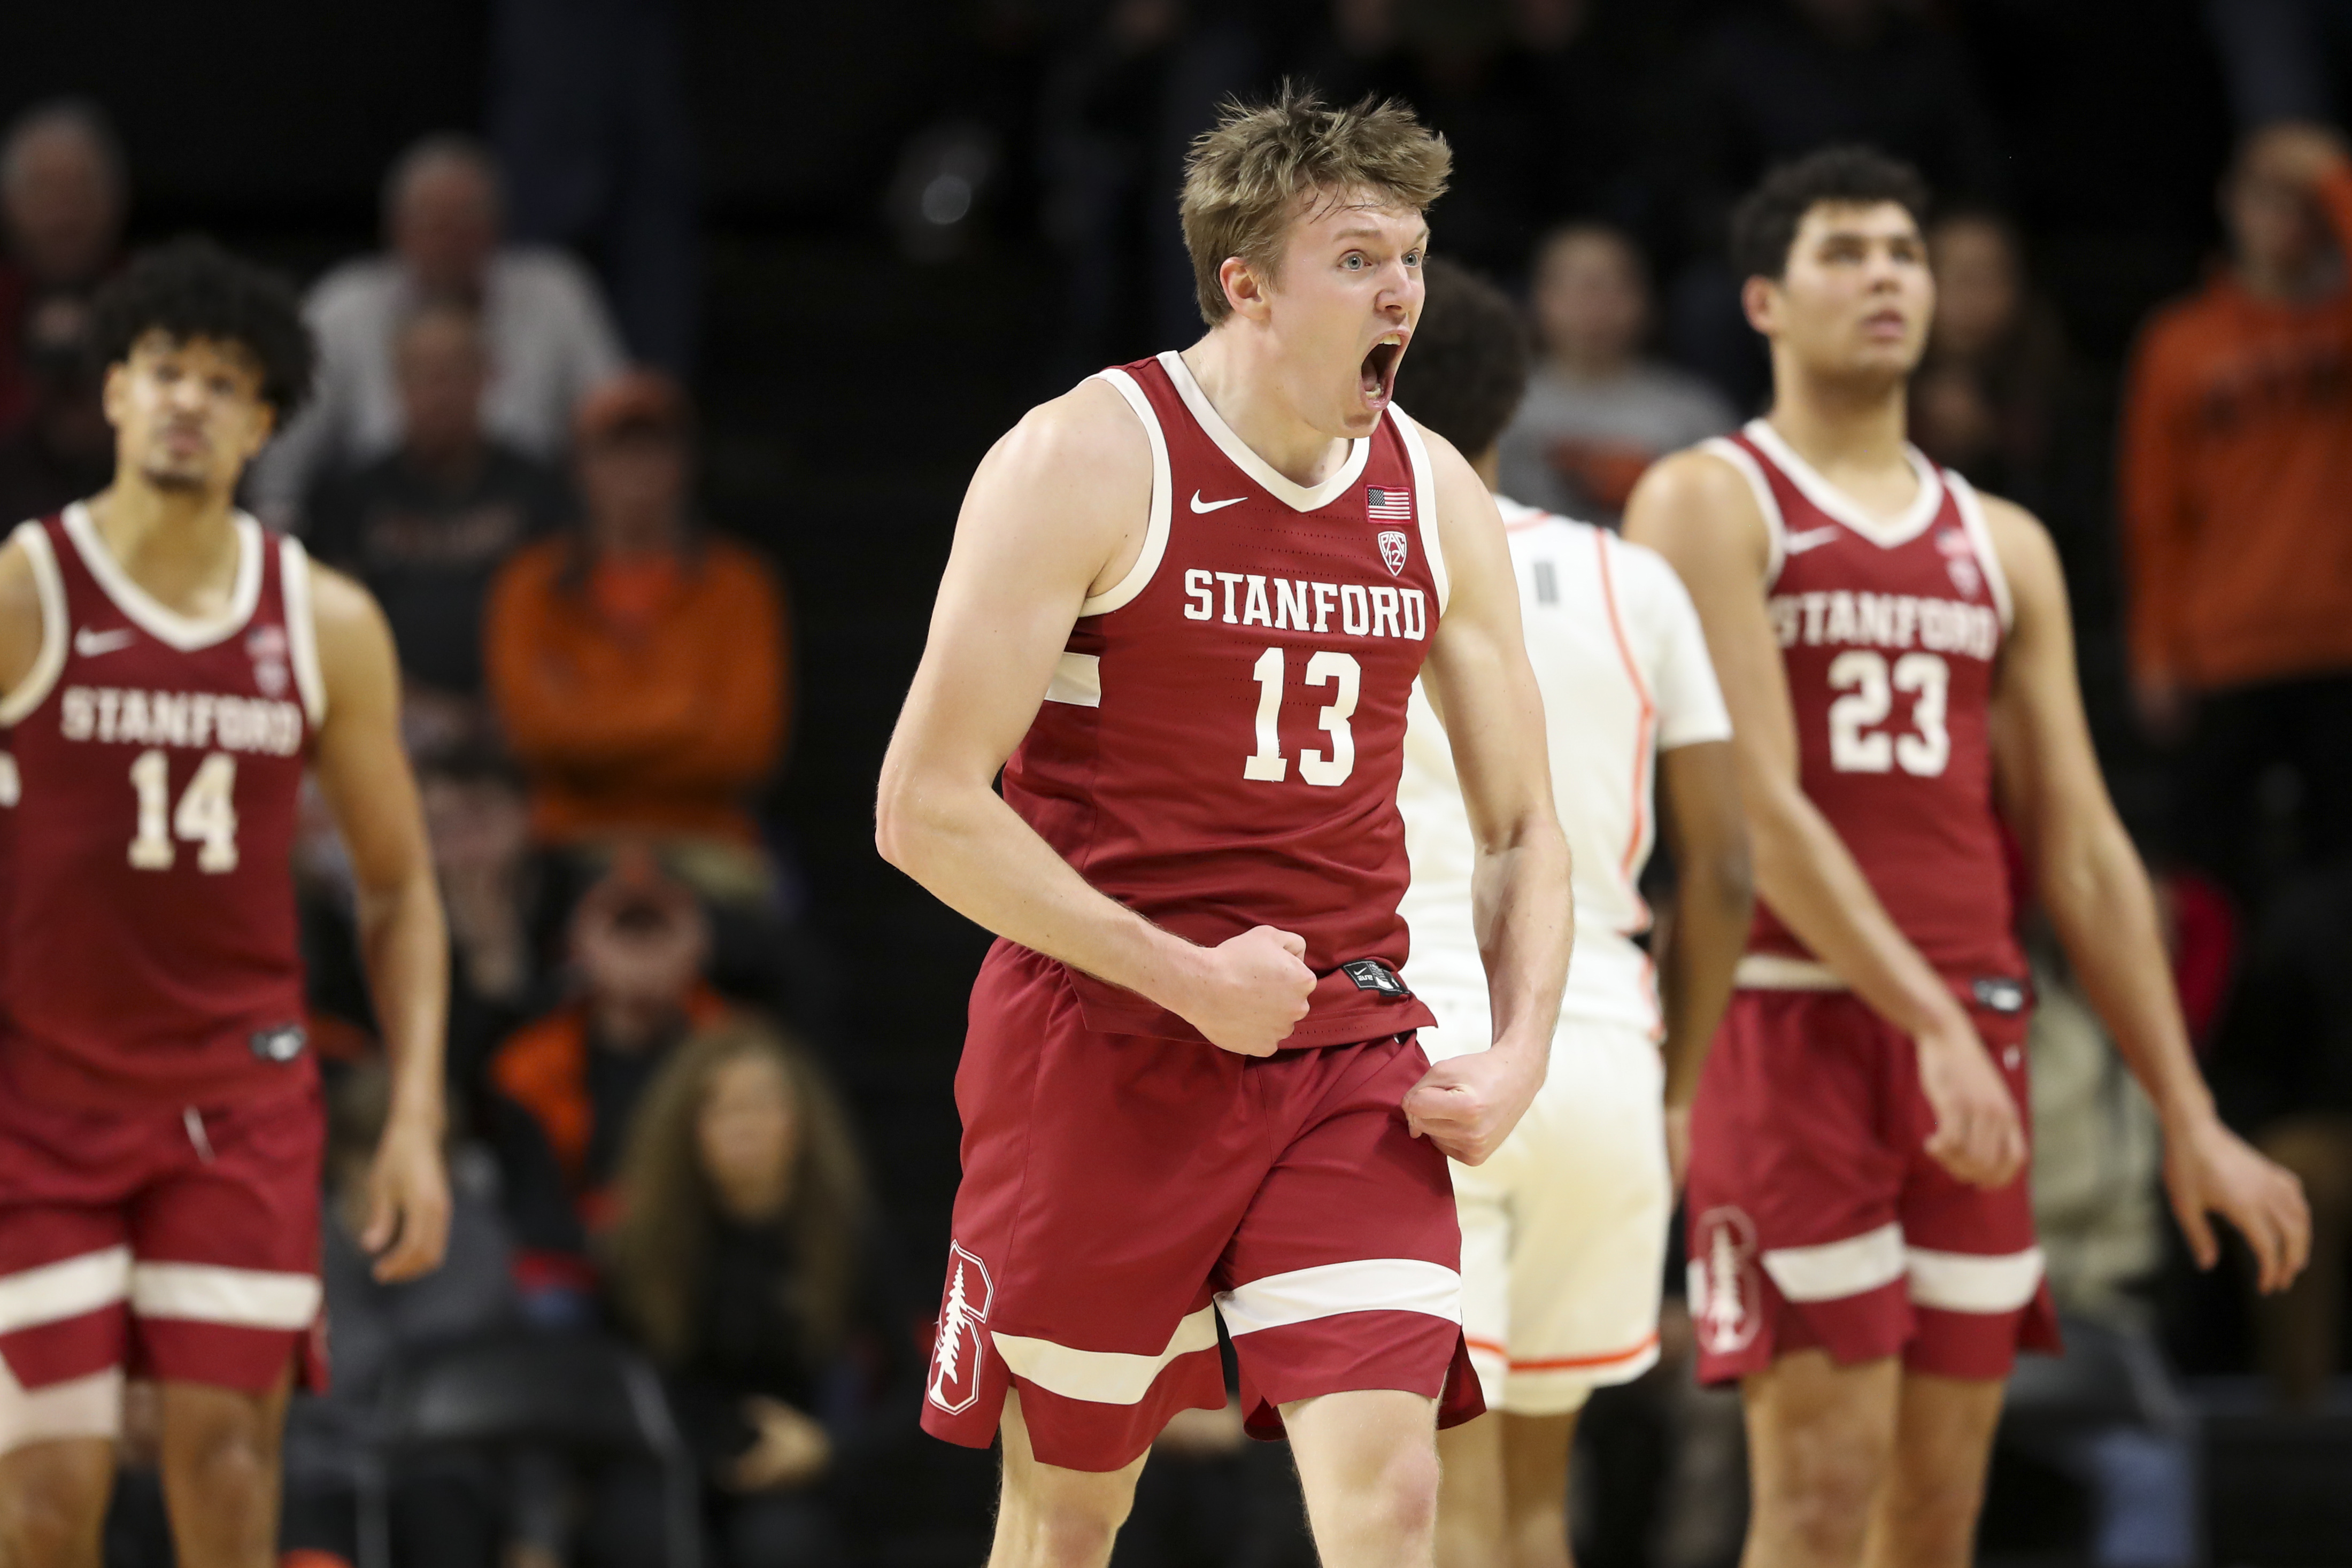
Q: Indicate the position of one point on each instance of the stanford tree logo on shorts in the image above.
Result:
(1725, 1298)
(955, 1355)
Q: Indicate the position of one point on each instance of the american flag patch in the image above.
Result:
(1392, 505)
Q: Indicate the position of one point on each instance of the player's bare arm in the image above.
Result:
(2096, 892)
(1055, 513)
(1703, 933)
(20, 617)
(1479, 676)
(364, 775)
(1697, 510)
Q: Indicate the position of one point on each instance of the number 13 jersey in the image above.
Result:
(1889, 631)
(1220, 744)
(150, 948)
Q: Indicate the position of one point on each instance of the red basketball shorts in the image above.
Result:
(1121, 1192)
(1817, 1218)
(164, 1241)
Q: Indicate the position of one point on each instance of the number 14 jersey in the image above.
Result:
(1220, 744)
(149, 950)
(1889, 632)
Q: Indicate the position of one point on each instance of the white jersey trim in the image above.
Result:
(1289, 492)
(1424, 504)
(1103, 1376)
(1973, 520)
(1972, 1282)
(1077, 680)
(1780, 972)
(1885, 533)
(1330, 1289)
(1776, 527)
(301, 629)
(159, 621)
(50, 585)
(1155, 530)
(1836, 1270)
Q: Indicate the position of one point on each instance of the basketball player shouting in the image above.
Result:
(169, 669)
(1897, 658)
(1184, 612)
(1564, 1230)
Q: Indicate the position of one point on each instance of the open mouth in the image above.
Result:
(1376, 377)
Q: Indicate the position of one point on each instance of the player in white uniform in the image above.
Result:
(1564, 1229)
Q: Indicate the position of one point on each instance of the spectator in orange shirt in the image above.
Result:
(2237, 512)
(638, 666)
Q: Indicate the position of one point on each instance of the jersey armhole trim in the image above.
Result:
(1964, 494)
(1424, 490)
(301, 629)
(1155, 531)
(48, 663)
(1775, 528)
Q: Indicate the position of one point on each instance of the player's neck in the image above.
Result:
(181, 546)
(1840, 426)
(1242, 377)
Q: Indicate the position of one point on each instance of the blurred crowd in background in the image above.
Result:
(503, 445)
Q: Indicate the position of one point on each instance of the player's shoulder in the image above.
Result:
(1703, 478)
(19, 589)
(2021, 541)
(1090, 432)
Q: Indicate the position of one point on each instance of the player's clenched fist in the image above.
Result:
(1978, 1137)
(1467, 1106)
(1251, 991)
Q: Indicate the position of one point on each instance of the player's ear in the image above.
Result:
(1759, 301)
(114, 392)
(1245, 290)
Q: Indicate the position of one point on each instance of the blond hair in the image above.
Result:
(655, 1253)
(1250, 176)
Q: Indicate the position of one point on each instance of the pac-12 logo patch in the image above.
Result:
(1392, 551)
(963, 1312)
(1960, 561)
(1726, 1292)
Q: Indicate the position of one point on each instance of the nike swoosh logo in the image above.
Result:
(90, 644)
(1812, 538)
(1200, 506)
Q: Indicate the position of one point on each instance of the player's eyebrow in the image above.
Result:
(1366, 230)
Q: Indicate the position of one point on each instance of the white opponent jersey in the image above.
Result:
(1623, 668)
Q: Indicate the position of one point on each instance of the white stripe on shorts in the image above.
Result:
(89, 1407)
(1102, 1376)
(1366, 1285)
(1973, 1282)
(56, 1291)
(1836, 1270)
(210, 1293)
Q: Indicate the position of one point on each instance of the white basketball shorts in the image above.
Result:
(1564, 1230)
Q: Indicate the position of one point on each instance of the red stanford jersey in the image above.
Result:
(1888, 632)
(1220, 746)
(149, 951)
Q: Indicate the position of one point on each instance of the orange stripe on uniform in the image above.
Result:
(1573, 1363)
(1649, 710)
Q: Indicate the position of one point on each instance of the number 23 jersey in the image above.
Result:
(1890, 631)
(1220, 744)
(150, 950)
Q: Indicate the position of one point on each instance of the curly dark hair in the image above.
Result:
(193, 289)
(1466, 367)
(1765, 223)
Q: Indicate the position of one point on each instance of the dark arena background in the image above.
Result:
(840, 248)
